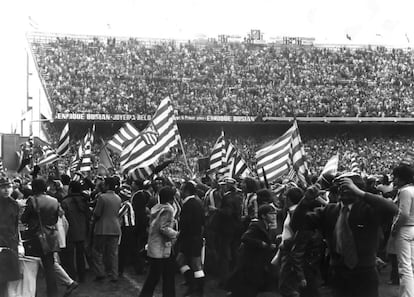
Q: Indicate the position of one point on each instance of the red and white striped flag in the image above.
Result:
(86, 153)
(331, 166)
(218, 153)
(275, 158)
(48, 157)
(63, 144)
(125, 134)
(141, 156)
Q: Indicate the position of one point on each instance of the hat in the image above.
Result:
(228, 181)
(4, 181)
(355, 177)
(125, 191)
(266, 209)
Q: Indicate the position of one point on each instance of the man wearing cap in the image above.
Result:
(256, 251)
(107, 231)
(9, 236)
(350, 228)
(229, 231)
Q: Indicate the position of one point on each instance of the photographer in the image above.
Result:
(350, 228)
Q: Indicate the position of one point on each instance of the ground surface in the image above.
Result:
(130, 285)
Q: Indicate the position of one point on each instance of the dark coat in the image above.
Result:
(49, 212)
(191, 223)
(9, 220)
(139, 204)
(365, 220)
(229, 215)
(253, 265)
(77, 213)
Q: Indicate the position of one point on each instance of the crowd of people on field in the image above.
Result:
(131, 77)
(250, 236)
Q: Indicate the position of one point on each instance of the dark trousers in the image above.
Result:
(359, 282)
(51, 284)
(74, 253)
(226, 255)
(394, 276)
(142, 238)
(158, 268)
(128, 250)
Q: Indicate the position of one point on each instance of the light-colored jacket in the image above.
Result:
(161, 234)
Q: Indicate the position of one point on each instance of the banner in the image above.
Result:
(142, 117)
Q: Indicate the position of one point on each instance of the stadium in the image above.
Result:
(252, 90)
(243, 165)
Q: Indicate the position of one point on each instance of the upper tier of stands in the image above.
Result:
(95, 75)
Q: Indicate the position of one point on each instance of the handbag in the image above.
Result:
(47, 235)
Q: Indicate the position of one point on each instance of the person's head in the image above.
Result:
(249, 185)
(264, 196)
(188, 189)
(403, 175)
(75, 187)
(166, 195)
(110, 183)
(39, 186)
(293, 195)
(267, 213)
(344, 194)
(17, 183)
(5, 187)
(158, 183)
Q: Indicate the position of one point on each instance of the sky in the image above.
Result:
(366, 21)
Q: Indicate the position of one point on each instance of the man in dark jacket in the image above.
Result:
(47, 208)
(229, 228)
(141, 196)
(77, 213)
(9, 236)
(350, 228)
(256, 252)
(190, 239)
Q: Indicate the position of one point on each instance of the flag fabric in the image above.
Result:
(63, 144)
(354, 164)
(75, 163)
(216, 157)
(227, 160)
(141, 156)
(408, 158)
(238, 166)
(298, 156)
(86, 157)
(125, 134)
(331, 166)
(48, 157)
(277, 157)
(105, 158)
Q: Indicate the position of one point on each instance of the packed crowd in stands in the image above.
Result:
(226, 79)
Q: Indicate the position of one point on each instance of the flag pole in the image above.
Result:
(265, 178)
(185, 157)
